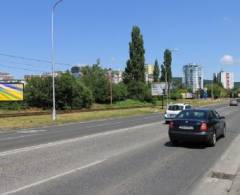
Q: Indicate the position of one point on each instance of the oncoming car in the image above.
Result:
(200, 125)
(174, 109)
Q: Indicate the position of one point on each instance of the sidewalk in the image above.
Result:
(224, 176)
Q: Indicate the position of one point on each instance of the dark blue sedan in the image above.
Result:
(197, 125)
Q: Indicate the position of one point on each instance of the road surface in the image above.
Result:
(118, 156)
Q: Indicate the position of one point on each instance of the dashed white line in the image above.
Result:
(53, 177)
(26, 149)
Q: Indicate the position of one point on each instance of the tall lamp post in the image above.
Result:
(53, 62)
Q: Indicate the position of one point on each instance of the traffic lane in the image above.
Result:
(24, 138)
(153, 168)
(33, 164)
(49, 134)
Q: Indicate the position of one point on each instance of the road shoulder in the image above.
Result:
(224, 175)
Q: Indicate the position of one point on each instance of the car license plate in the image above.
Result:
(186, 127)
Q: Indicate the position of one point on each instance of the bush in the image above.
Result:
(176, 94)
(95, 78)
(38, 92)
(70, 93)
(139, 90)
(15, 105)
(119, 92)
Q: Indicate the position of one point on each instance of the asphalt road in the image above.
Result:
(36, 136)
(118, 156)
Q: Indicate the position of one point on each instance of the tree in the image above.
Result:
(139, 90)
(119, 92)
(70, 93)
(168, 69)
(156, 71)
(135, 69)
(95, 78)
(218, 90)
(163, 74)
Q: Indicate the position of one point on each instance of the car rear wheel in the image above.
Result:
(224, 132)
(213, 140)
(174, 142)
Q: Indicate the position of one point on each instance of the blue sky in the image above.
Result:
(205, 32)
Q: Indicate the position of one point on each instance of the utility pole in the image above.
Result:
(212, 91)
(53, 62)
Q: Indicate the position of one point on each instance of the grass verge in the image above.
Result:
(45, 120)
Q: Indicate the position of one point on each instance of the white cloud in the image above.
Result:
(229, 60)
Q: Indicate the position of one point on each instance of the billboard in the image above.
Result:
(11, 91)
(158, 89)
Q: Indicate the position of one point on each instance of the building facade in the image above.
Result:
(226, 78)
(43, 75)
(117, 76)
(4, 76)
(149, 68)
(193, 77)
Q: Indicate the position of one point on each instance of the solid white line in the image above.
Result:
(30, 148)
(53, 177)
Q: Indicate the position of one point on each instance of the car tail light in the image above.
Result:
(204, 127)
(171, 124)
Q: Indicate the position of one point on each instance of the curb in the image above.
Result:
(224, 176)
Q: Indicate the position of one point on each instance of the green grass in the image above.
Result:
(45, 120)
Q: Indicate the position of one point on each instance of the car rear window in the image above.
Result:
(175, 107)
(192, 114)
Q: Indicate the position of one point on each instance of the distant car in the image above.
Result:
(174, 109)
(233, 102)
(197, 125)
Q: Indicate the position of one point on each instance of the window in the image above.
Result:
(188, 107)
(192, 114)
(175, 108)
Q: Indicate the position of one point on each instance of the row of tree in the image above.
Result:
(94, 83)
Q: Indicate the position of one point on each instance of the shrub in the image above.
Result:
(139, 90)
(70, 93)
(119, 92)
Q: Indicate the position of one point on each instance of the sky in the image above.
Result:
(203, 32)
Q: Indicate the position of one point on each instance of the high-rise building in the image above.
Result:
(149, 68)
(193, 77)
(226, 78)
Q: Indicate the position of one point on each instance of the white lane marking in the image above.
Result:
(54, 177)
(12, 138)
(32, 131)
(101, 125)
(26, 133)
(30, 148)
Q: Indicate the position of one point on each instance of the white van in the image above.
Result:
(175, 109)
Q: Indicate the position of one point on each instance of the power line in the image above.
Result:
(32, 59)
(23, 64)
(19, 68)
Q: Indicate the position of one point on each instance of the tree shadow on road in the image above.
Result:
(187, 145)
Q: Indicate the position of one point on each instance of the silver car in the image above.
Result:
(233, 102)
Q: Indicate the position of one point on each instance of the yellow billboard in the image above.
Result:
(11, 91)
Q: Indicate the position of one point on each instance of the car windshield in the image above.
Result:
(175, 107)
(192, 114)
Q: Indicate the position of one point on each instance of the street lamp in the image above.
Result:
(53, 62)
